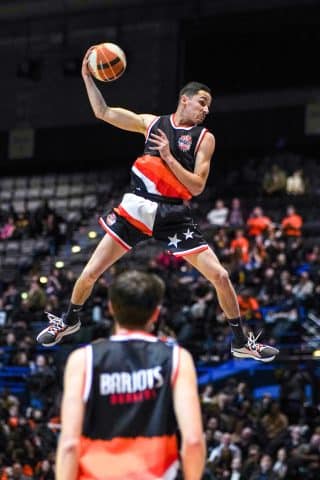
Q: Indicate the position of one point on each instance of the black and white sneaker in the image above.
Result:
(56, 330)
(257, 351)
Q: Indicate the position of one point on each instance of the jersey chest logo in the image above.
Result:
(184, 143)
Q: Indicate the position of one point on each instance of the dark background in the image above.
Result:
(261, 62)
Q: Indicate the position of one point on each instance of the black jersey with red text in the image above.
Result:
(129, 429)
(150, 174)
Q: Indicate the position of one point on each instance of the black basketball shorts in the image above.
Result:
(138, 218)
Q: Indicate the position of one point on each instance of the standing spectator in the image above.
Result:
(258, 223)
(291, 224)
(218, 215)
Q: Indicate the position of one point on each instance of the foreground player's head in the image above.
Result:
(135, 298)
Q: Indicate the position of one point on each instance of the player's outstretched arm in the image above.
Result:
(118, 117)
(188, 413)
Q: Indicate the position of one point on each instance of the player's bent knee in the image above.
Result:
(89, 277)
(221, 277)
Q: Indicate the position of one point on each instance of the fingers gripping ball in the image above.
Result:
(107, 62)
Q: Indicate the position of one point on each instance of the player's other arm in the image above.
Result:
(72, 411)
(194, 181)
(188, 414)
(118, 117)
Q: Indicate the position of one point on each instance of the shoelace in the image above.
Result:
(56, 323)
(252, 341)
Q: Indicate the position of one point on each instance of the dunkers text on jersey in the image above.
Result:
(124, 382)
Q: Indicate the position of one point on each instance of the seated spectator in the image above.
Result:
(296, 184)
(219, 461)
(251, 464)
(235, 216)
(281, 467)
(218, 215)
(274, 180)
(8, 229)
(22, 225)
(303, 290)
(265, 470)
(258, 223)
(36, 299)
(240, 246)
(249, 305)
(274, 421)
(291, 224)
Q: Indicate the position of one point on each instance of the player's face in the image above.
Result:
(198, 106)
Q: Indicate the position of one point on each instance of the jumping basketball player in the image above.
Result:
(125, 397)
(173, 167)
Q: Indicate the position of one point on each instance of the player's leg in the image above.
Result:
(107, 252)
(207, 263)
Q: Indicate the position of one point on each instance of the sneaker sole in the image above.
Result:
(246, 355)
(72, 329)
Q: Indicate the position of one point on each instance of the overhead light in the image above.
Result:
(59, 264)
(75, 249)
(43, 280)
(316, 353)
(24, 295)
(92, 234)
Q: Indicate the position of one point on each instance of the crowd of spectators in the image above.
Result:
(276, 274)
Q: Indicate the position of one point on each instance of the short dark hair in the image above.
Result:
(192, 88)
(134, 296)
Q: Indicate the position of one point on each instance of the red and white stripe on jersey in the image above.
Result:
(112, 234)
(184, 253)
(201, 137)
(140, 212)
(126, 459)
(158, 178)
(88, 373)
(175, 363)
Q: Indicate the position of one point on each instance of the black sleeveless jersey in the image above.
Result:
(129, 405)
(150, 174)
(184, 141)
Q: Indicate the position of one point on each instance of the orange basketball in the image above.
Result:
(107, 62)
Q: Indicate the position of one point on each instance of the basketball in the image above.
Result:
(107, 62)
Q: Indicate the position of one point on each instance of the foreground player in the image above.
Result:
(125, 397)
(174, 167)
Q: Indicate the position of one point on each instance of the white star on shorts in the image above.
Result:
(174, 240)
(188, 234)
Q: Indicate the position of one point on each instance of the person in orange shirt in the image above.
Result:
(249, 306)
(292, 223)
(258, 223)
(240, 244)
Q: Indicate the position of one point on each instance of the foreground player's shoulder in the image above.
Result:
(147, 119)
